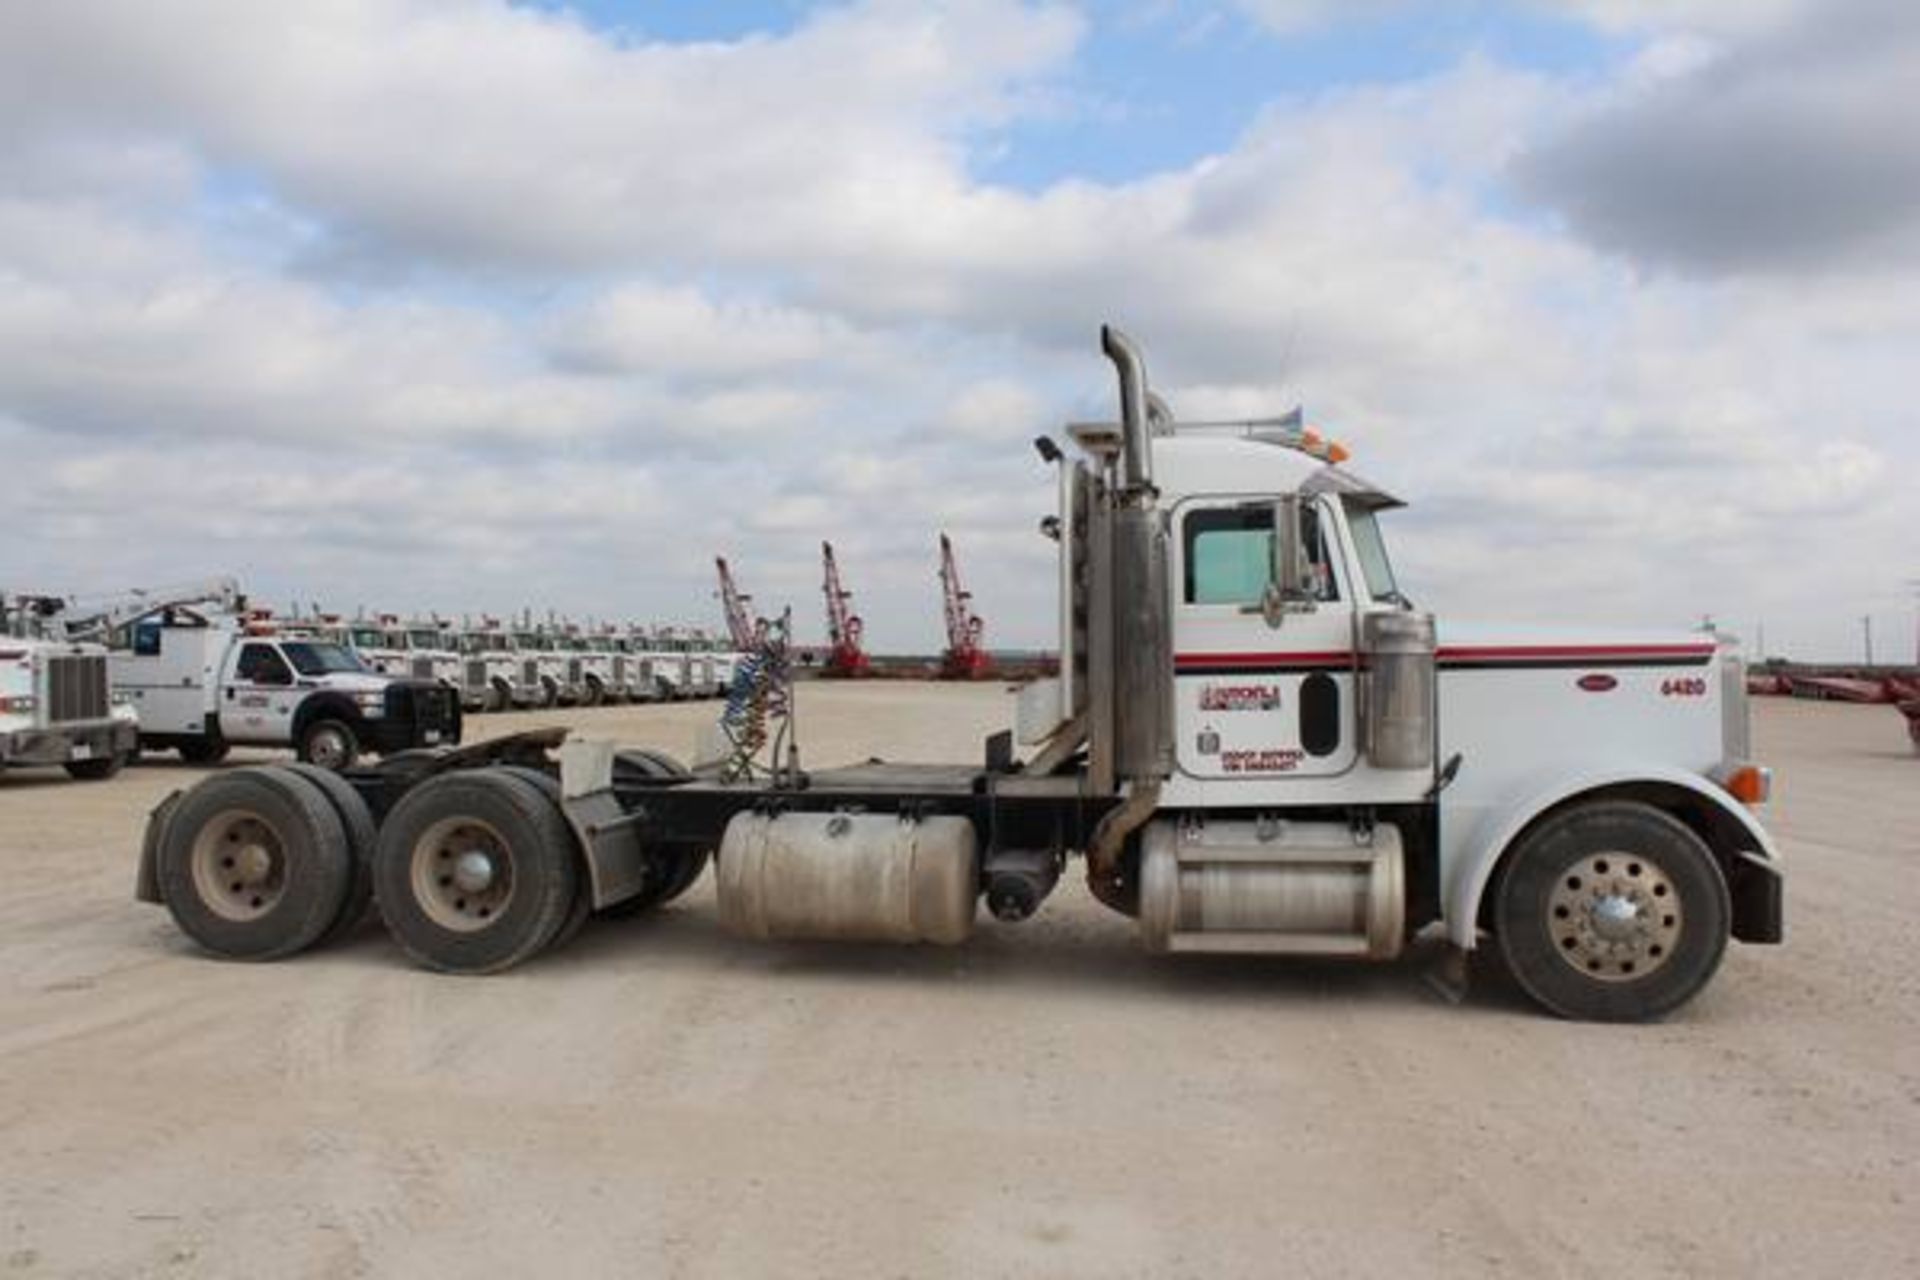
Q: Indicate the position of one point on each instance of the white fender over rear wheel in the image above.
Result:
(1612, 911)
(475, 871)
(254, 864)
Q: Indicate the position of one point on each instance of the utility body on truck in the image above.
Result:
(57, 705)
(205, 681)
(1255, 744)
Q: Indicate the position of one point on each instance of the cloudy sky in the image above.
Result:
(473, 305)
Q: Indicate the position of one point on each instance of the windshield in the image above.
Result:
(368, 638)
(312, 658)
(1372, 549)
(424, 639)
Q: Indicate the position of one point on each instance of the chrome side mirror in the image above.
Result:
(1286, 590)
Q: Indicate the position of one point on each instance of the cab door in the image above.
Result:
(1252, 700)
(257, 702)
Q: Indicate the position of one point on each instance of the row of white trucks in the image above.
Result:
(89, 685)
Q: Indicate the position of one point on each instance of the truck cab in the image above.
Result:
(543, 672)
(489, 668)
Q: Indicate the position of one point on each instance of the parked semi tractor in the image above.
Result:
(206, 679)
(57, 706)
(490, 667)
(1255, 743)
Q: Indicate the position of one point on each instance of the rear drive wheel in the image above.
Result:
(331, 744)
(254, 864)
(475, 872)
(583, 896)
(204, 750)
(1613, 912)
(96, 770)
(356, 819)
(671, 869)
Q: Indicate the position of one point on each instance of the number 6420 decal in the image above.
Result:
(1683, 687)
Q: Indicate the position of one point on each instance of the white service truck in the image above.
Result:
(57, 705)
(205, 681)
(1256, 744)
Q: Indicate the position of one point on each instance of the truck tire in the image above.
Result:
(549, 694)
(95, 770)
(254, 864)
(671, 869)
(329, 743)
(205, 750)
(475, 872)
(363, 836)
(593, 694)
(1612, 911)
(583, 897)
(499, 696)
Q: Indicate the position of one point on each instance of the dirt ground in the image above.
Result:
(660, 1099)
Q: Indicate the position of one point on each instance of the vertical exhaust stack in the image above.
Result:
(1141, 645)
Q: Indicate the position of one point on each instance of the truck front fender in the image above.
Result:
(1746, 852)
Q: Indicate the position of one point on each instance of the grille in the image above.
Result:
(423, 668)
(530, 672)
(620, 669)
(77, 688)
(477, 674)
(573, 671)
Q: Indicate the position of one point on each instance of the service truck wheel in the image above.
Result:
(1612, 911)
(330, 744)
(95, 770)
(363, 836)
(475, 872)
(254, 864)
(204, 750)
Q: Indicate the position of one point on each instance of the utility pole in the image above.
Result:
(1866, 630)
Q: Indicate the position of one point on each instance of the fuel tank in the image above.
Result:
(854, 876)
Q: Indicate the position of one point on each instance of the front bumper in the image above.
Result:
(419, 713)
(63, 744)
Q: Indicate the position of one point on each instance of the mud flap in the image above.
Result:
(146, 886)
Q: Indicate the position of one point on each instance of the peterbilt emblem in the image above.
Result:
(1598, 682)
(1239, 697)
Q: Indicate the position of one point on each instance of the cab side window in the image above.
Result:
(1228, 553)
(263, 664)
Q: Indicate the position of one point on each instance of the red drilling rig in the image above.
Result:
(965, 658)
(845, 659)
(741, 628)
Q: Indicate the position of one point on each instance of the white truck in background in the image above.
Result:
(490, 668)
(57, 706)
(206, 680)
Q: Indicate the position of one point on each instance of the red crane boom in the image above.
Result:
(740, 625)
(845, 658)
(966, 657)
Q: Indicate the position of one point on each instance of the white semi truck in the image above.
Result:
(204, 681)
(57, 706)
(1255, 744)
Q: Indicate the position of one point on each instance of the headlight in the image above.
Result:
(21, 704)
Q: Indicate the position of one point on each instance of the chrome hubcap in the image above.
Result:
(1615, 916)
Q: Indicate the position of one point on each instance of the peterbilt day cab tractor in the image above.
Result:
(57, 705)
(206, 681)
(1255, 744)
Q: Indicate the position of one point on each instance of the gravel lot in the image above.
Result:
(662, 1100)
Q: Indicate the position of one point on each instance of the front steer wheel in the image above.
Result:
(254, 864)
(331, 744)
(1613, 912)
(475, 871)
